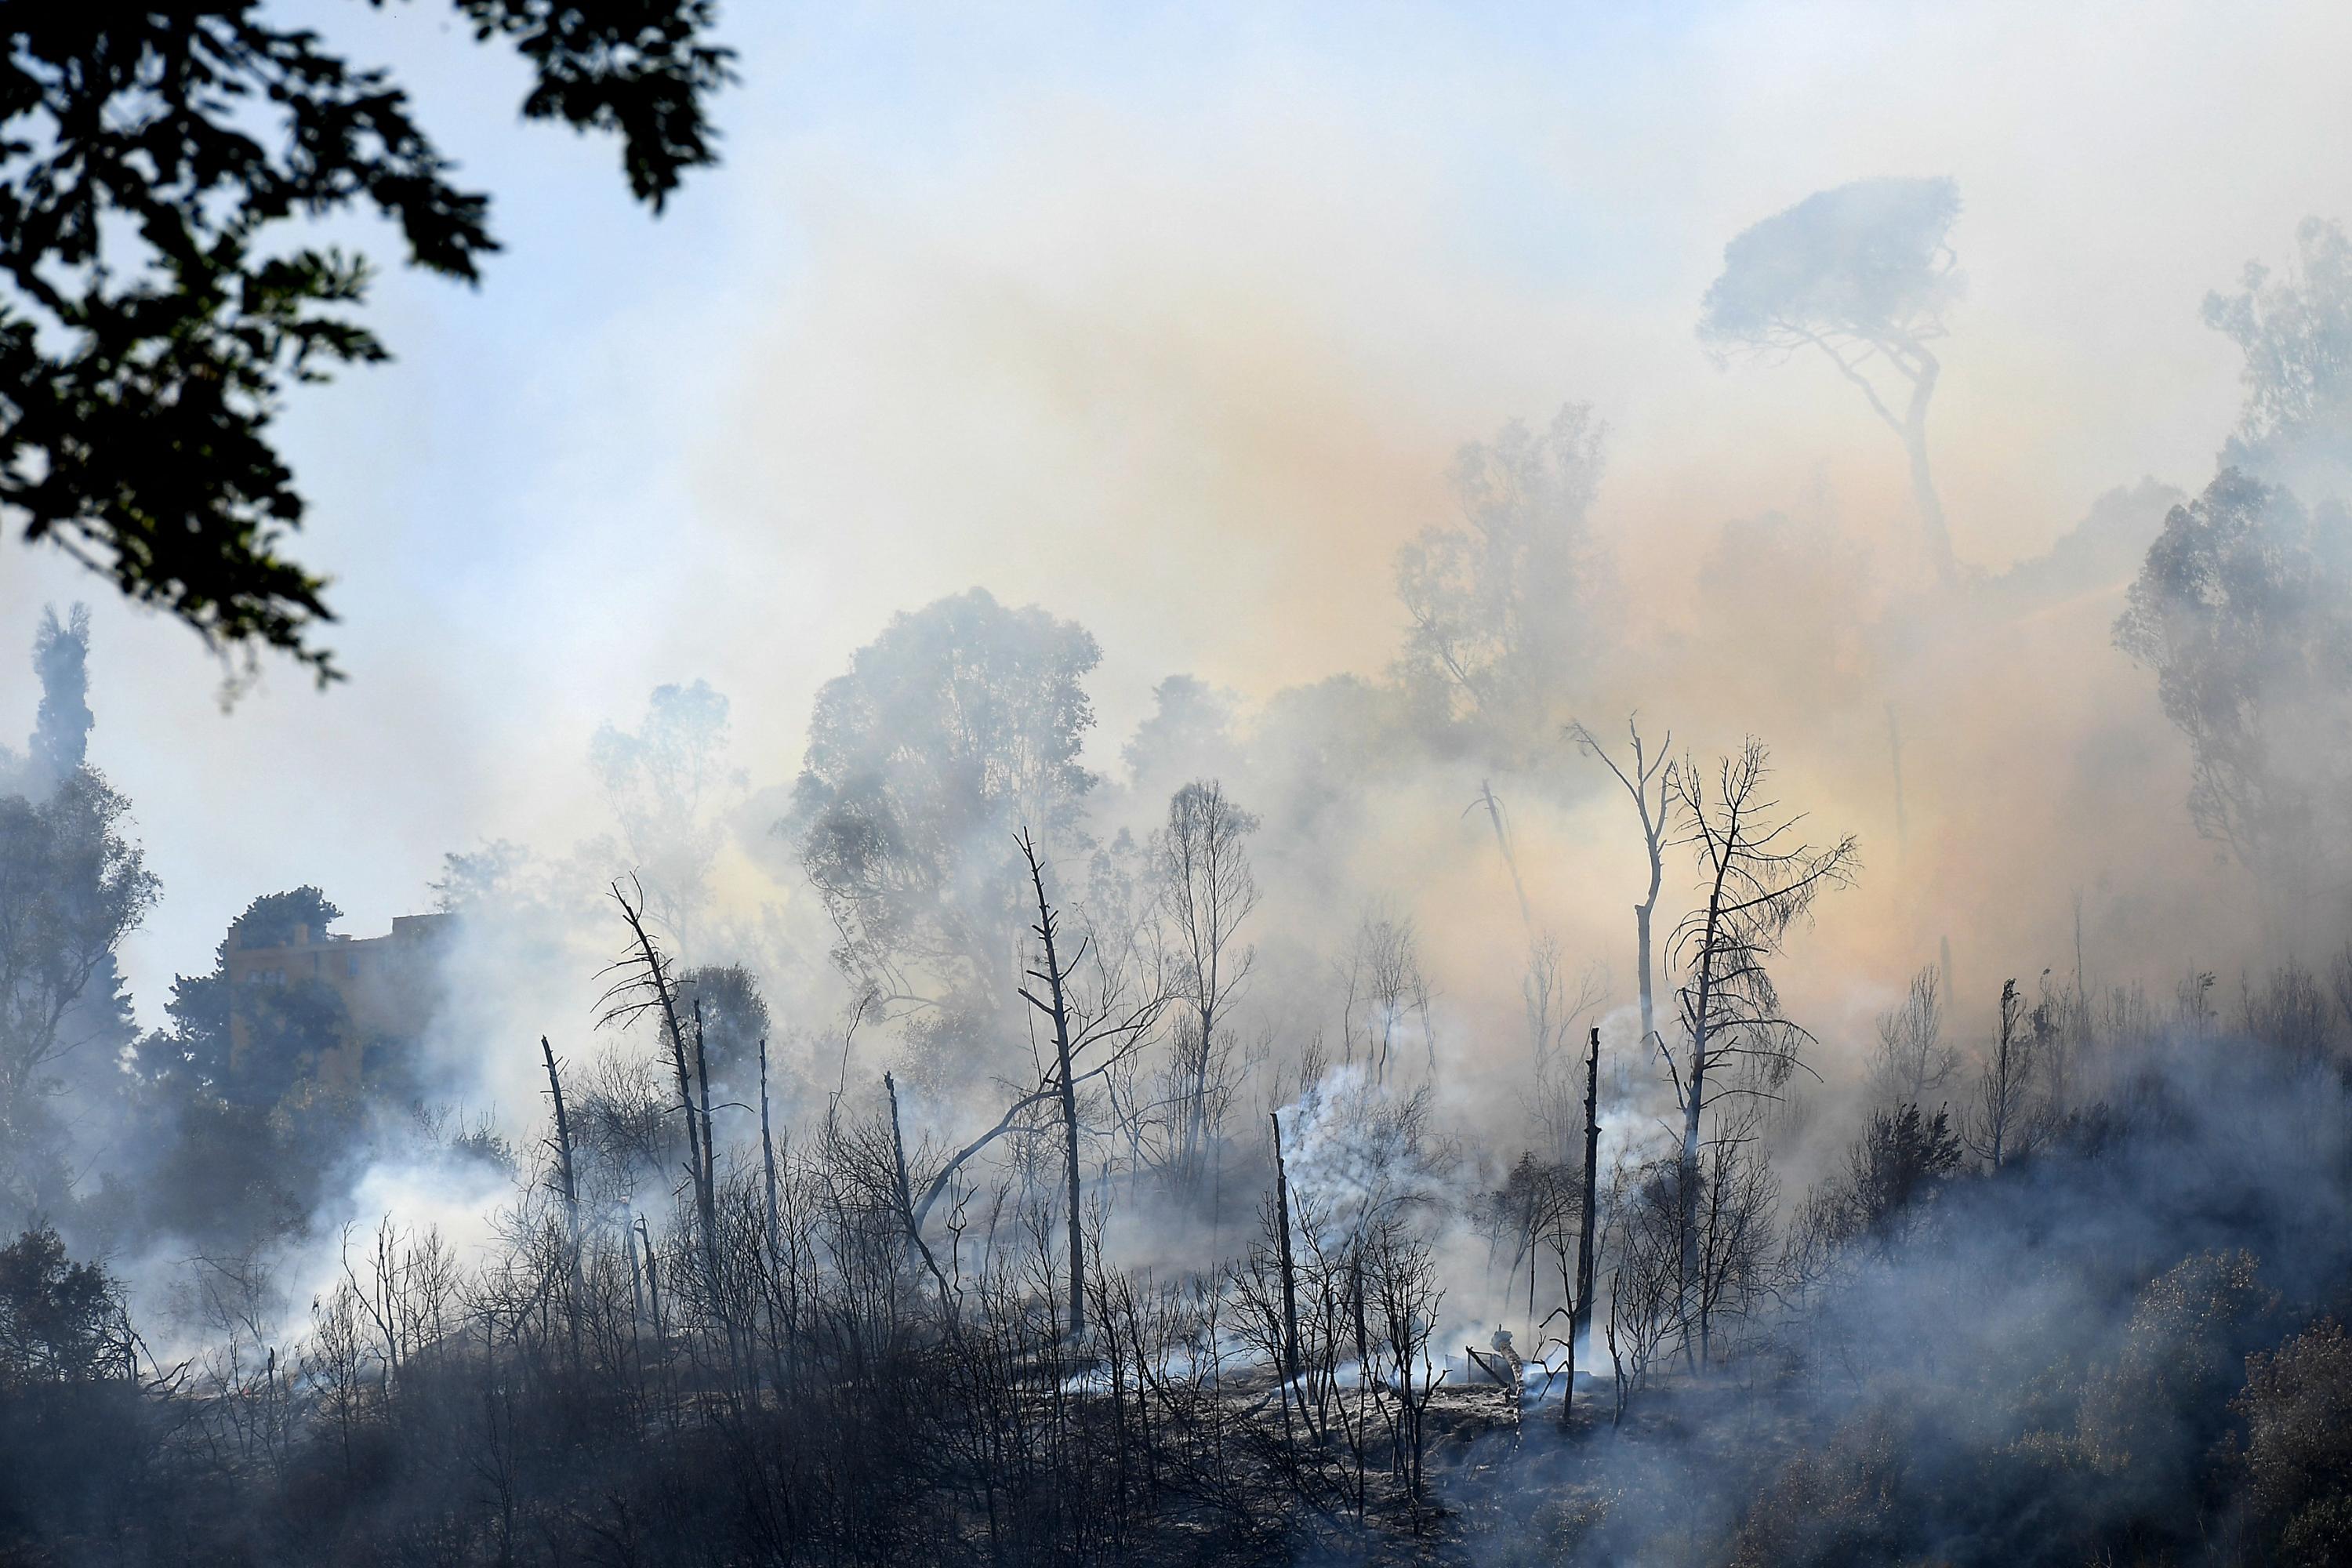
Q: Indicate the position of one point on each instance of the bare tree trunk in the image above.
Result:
(1923, 485)
(2002, 1103)
(636, 1285)
(1695, 1091)
(1642, 914)
(1078, 1233)
(918, 1250)
(1646, 768)
(1653, 839)
(1503, 842)
(1196, 1095)
(653, 1306)
(700, 1162)
(1616, 1361)
(636, 1307)
(898, 1165)
(1289, 1275)
(707, 1189)
(1059, 1009)
(1580, 1321)
(570, 1195)
(768, 1165)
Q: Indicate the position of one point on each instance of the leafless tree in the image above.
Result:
(2000, 1128)
(2289, 1013)
(1207, 891)
(1646, 781)
(1862, 273)
(1734, 1233)
(1386, 993)
(568, 1189)
(1913, 1061)
(1588, 1220)
(72, 888)
(1553, 1012)
(1103, 1020)
(1496, 820)
(644, 985)
(1409, 1298)
(1646, 1296)
(1757, 877)
(1503, 612)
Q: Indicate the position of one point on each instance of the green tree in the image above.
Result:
(157, 165)
(734, 1019)
(57, 1320)
(958, 724)
(193, 1052)
(666, 782)
(288, 1028)
(60, 738)
(2243, 610)
(1864, 273)
(75, 1444)
(72, 886)
(1503, 607)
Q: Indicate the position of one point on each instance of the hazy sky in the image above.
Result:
(1168, 319)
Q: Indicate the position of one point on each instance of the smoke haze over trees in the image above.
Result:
(1180, 797)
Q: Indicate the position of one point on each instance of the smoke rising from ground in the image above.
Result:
(1073, 450)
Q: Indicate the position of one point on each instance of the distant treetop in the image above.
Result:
(271, 920)
(1864, 273)
(1865, 260)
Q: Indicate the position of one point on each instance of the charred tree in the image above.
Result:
(568, 1191)
(643, 984)
(1759, 879)
(1055, 1006)
(1998, 1126)
(1581, 1323)
(1647, 782)
(768, 1163)
(1289, 1269)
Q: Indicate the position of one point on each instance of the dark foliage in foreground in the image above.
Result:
(153, 315)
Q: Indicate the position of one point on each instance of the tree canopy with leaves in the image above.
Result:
(157, 165)
(2295, 331)
(1864, 273)
(72, 886)
(2243, 610)
(194, 1048)
(1502, 608)
(959, 723)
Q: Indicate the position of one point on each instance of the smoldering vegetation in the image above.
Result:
(1429, 1114)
